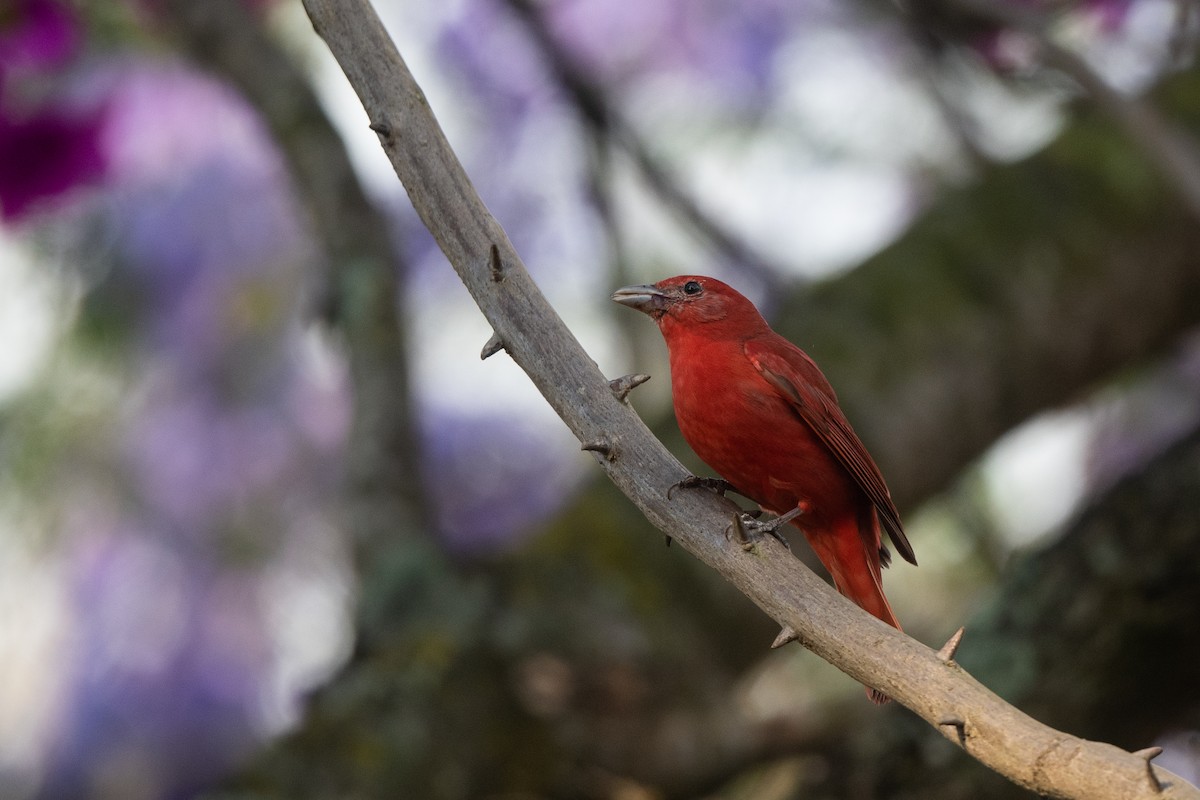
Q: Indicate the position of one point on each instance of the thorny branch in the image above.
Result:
(1027, 752)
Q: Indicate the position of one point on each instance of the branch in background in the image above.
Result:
(1135, 551)
(1185, 34)
(943, 694)
(1164, 144)
(600, 186)
(1033, 285)
(358, 267)
(607, 122)
(1170, 149)
(925, 58)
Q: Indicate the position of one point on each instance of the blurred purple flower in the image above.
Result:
(1111, 14)
(227, 446)
(167, 120)
(1007, 50)
(45, 156)
(203, 219)
(493, 478)
(195, 460)
(36, 35)
(1004, 50)
(44, 152)
(165, 694)
(725, 44)
(488, 47)
(722, 44)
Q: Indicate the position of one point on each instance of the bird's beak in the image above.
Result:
(647, 299)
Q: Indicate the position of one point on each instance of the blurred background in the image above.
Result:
(270, 528)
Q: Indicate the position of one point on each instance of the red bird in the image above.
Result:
(757, 410)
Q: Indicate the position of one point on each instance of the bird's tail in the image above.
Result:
(853, 561)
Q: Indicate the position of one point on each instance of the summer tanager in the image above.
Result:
(757, 410)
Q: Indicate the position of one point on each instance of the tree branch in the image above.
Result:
(1041, 280)
(1172, 152)
(1024, 750)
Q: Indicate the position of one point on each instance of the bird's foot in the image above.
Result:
(747, 529)
(718, 485)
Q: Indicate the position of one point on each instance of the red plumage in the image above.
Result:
(757, 410)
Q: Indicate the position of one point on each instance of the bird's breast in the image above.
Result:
(748, 433)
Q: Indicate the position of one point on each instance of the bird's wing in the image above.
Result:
(798, 380)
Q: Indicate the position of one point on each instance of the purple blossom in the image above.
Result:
(228, 443)
(165, 690)
(196, 460)
(167, 120)
(1111, 14)
(203, 219)
(488, 47)
(49, 150)
(45, 156)
(36, 35)
(1007, 50)
(727, 45)
(494, 478)
(718, 43)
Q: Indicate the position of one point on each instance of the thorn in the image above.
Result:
(735, 531)
(494, 345)
(1149, 754)
(497, 265)
(625, 384)
(946, 654)
(382, 128)
(788, 634)
(602, 446)
(958, 724)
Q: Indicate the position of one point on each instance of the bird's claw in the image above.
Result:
(748, 530)
(718, 485)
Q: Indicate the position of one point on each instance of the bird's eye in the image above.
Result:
(691, 287)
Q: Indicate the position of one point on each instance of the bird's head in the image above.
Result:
(693, 302)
